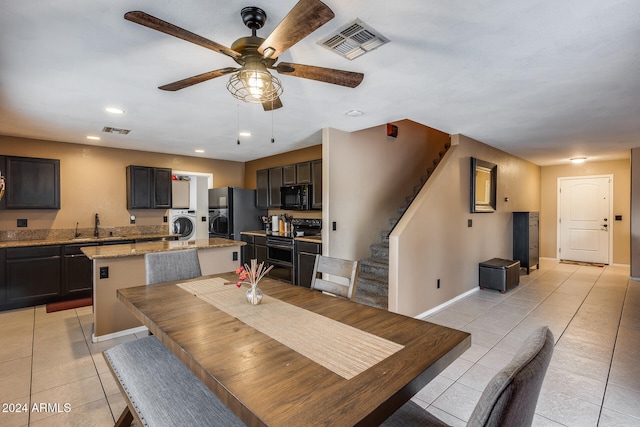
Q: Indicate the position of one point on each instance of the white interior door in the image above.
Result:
(584, 212)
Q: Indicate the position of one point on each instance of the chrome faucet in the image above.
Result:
(95, 230)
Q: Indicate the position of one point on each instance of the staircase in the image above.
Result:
(373, 282)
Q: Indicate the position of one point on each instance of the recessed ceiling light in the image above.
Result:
(199, 151)
(354, 113)
(93, 138)
(245, 133)
(578, 159)
(114, 110)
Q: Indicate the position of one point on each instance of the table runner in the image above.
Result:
(341, 348)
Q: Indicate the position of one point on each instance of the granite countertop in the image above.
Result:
(312, 239)
(135, 249)
(81, 240)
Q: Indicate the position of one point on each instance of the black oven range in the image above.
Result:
(281, 247)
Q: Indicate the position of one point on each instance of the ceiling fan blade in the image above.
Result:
(272, 105)
(327, 75)
(190, 81)
(305, 17)
(167, 28)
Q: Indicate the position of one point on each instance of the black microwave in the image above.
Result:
(295, 197)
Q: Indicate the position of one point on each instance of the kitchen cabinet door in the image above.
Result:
(248, 250)
(139, 187)
(275, 182)
(289, 175)
(148, 188)
(34, 275)
(32, 183)
(316, 184)
(305, 261)
(3, 277)
(162, 188)
(262, 189)
(303, 173)
(78, 272)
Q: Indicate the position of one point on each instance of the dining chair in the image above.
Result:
(509, 399)
(343, 274)
(171, 265)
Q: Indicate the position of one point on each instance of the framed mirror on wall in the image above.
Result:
(484, 176)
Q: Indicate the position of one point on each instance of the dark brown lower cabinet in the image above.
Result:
(78, 272)
(305, 260)
(248, 249)
(33, 275)
(260, 249)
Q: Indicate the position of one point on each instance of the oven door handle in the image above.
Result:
(271, 245)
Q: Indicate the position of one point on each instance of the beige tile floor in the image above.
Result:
(48, 360)
(594, 375)
(50, 372)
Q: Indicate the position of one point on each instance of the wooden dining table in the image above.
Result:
(301, 357)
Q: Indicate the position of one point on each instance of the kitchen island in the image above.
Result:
(122, 266)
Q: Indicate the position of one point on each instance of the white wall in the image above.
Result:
(433, 241)
(366, 178)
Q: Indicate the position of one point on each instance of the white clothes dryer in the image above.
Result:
(183, 223)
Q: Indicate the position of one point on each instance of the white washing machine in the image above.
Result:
(183, 222)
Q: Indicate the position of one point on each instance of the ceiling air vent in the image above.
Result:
(109, 129)
(353, 40)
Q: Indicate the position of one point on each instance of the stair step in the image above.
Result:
(380, 251)
(372, 290)
(375, 267)
(371, 283)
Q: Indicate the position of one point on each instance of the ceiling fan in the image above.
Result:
(252, 82)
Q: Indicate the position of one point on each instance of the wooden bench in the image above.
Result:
(160, 390)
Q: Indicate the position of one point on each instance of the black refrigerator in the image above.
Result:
(232, 210)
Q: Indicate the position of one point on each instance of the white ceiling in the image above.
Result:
(545, 80)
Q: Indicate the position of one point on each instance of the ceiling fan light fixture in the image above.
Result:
(254, 85)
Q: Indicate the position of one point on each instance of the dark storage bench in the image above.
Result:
(500, 274)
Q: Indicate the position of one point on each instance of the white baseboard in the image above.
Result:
(442, 306)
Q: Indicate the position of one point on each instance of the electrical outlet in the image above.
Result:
(235, 256)
(469, 223)
(438, 284)
(165, 219)
(334, 226)
(22, 222)
(203, 219)
(104, 272)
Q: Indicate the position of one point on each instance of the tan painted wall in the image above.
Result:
(366, 178)
(289, 158)
(433, 241)
(93, 179)
(635, 213)
(621, 171)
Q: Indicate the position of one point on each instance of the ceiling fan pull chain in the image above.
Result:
(238, 141)
(272, 139)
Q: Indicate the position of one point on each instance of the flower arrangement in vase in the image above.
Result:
(251, 275)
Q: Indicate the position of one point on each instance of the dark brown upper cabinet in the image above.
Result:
(269, 181)
(30, 183)
(148, 188)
